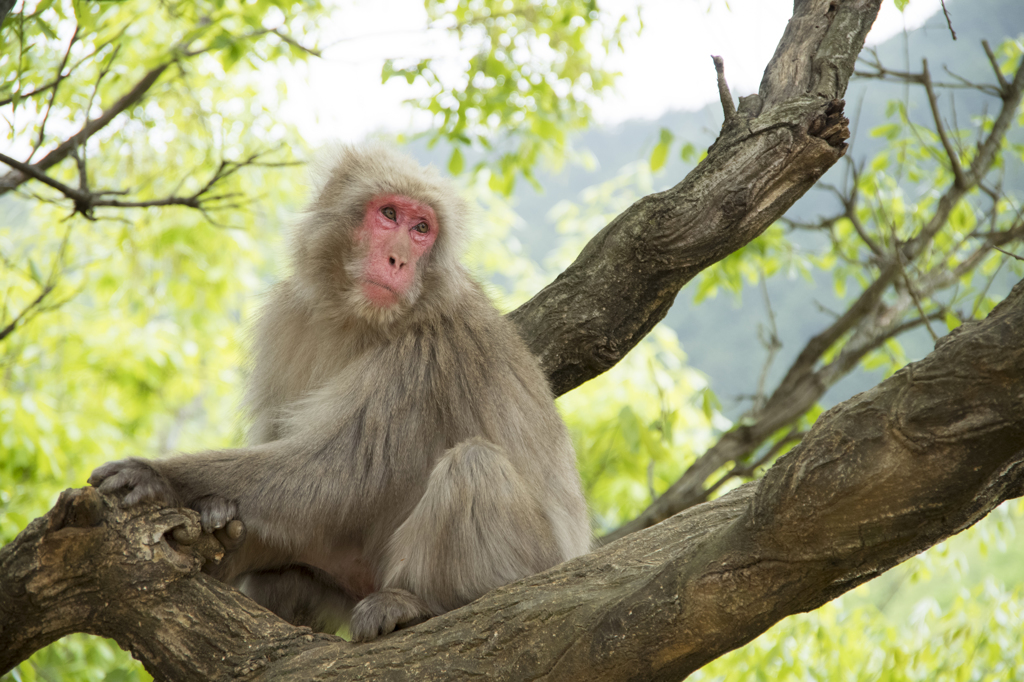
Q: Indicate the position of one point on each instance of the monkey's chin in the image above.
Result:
(380, 295)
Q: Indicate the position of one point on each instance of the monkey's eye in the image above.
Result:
(389, 213)
(422, 228)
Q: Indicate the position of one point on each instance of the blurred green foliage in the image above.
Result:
(530, 70)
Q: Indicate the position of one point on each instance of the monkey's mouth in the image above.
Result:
(380, 293)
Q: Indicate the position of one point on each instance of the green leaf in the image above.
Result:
(660, 153)
(889, 131)
(35, 273)
(688, 153)
(455, 162)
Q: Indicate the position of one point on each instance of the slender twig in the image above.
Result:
(949, 20)
(53, 94)
(25, 312)
(980, 298)
(99, 78)
(995, 66)
(294, 43)
(881, 72)
(772, 344)
(83, 176)
(940, 128)
(901, 259)
(1011, 255)
(739, 470)
(728, 107)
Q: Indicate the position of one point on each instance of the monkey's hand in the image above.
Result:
(219, 516)
(142, 480)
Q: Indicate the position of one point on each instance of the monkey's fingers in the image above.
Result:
(231, 536)
(215, 512)
(104, 472)
(142, 481)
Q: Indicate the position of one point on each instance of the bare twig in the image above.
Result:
(728, 107)
(772, 344)
(995, 65)
(940, 128)
(85, 201)
(26, 312)
(99, 79)
(1011, 255)
(881, 72)
(949, 20)
(53, 93)
(911, 289)
(741, 470)
(83, 176)
(294, 43)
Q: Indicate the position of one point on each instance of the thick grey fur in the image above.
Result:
(402, 462)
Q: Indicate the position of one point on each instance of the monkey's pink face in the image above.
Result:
(397, 232)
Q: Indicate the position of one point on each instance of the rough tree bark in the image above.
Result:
(880, 478)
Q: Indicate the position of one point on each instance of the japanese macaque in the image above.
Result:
(405, 454)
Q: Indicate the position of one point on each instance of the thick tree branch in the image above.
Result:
(867, 318)
(778, 145)
(879, 478)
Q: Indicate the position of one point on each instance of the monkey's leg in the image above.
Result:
(299, 595)
(478, 526)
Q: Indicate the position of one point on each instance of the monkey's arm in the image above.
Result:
(269, 486)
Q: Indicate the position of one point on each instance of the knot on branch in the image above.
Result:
(142, 544)
(76, 508)
(831, 125)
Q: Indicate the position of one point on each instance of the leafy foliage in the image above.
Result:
(121, 331)
(531, 71)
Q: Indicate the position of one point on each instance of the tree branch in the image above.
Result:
(879, 478)
(803, 384)
(16, 177)
(87, 200)
(779, 144)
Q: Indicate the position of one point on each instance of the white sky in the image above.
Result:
(667, 67)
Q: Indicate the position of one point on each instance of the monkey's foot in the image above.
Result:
(384, 611)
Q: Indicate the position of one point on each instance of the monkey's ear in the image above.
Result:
(325, 163)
